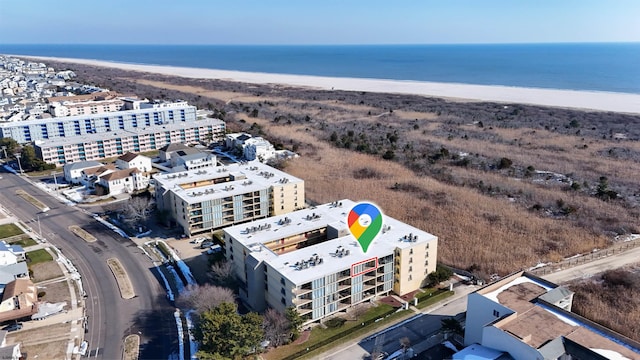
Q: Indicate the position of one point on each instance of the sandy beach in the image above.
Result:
(591, 100)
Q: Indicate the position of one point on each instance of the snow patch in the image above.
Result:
(610, 354)
(176, 315)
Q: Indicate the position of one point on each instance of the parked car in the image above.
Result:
(214, 249)
(198, 240)
(13, 327)
(206, 244)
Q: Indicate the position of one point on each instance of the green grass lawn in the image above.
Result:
(436, 297)
(24, 242)
(38, 256)
(350, 330)
(9, 230)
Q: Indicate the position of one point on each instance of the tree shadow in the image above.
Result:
(157, 330)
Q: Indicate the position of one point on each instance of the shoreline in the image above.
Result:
(574, 99)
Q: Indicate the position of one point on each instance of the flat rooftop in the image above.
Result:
(333, 215)
(120, 133)
(191, 185)
(536, 323)
(98, 116)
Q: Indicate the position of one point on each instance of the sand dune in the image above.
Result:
(592, 100)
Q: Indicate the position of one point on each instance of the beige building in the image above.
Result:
(202, 200)
(70, 108)
(308, 259)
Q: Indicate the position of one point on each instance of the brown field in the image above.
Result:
(45, 271)
(446, 176)
(611, 299)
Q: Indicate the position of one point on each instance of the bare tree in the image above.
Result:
(205, 297)
(137, 210)
(276, 327)
(222, 274)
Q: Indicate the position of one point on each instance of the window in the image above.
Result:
(496, 313)
(426, 263)
(411, 252)
(283, 301)
(426, 247)
(282, 280)
(282, 291)
(410, 278)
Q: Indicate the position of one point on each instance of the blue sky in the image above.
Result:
(317, 22)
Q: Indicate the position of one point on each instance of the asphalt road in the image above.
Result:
(110, 318)
(591, 268)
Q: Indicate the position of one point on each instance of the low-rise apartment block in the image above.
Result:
(202, 200)
(71, 126)
(308, 259)
(525, 317)
(116, 143)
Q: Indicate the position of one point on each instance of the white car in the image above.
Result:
(198, 240)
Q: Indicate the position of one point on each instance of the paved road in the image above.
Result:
(110, 318)
(417, 329)
(597, 266)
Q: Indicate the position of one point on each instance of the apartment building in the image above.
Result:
(71, 126)
(69, 108)
(308, 259)
(116, 143)
(202, 200)
(526, 317)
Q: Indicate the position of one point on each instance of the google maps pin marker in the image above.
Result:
(365, 222)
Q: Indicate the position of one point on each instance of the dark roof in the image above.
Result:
(120, 174)
(173, 147)
(128, 156)
(81, 165)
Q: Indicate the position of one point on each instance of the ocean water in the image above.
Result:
(612, 67)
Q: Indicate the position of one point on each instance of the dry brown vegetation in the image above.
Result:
(504, 186)
(611, 299)
(122, 278)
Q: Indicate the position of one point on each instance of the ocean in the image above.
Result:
(611, 67)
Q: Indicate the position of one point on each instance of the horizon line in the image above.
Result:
(328, 44)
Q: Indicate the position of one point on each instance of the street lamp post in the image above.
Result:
(55, 180)
(18, 155)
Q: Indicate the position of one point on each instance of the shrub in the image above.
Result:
(335, 322)
(504, 163)
(389, 155)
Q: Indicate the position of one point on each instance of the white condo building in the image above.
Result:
(205, 199)
(308, 259)
(116, 143)
(130, 120)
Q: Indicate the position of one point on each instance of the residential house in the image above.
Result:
(8, 273)
(181, 161)
(132, 160)
(258, 148)
(124, 181)
(168, 150)
(90, 176)
(19, 300)
(10, 254)
(9, 352)
(73, 171)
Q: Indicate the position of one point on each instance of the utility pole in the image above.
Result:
(18, 156)
(55, 180)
